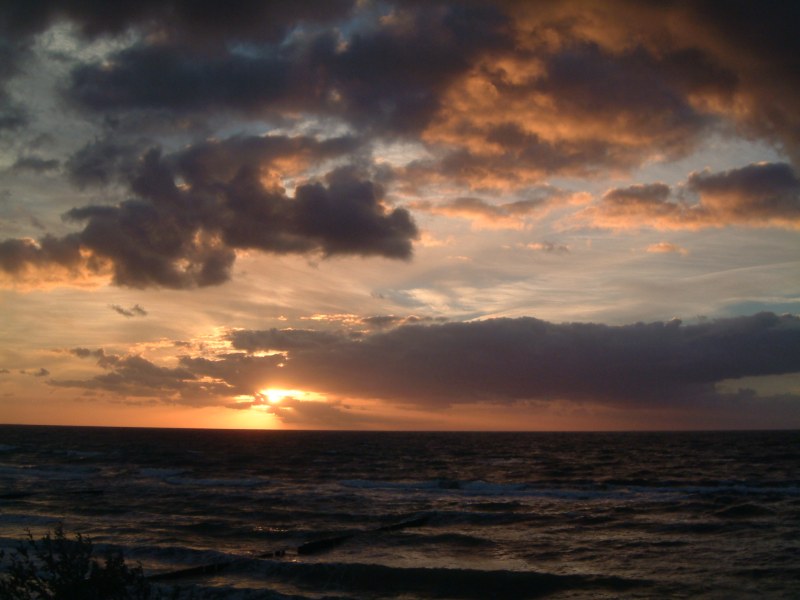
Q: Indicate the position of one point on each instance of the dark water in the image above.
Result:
(422, 515)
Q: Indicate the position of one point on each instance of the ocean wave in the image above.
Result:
(59, 472)
(82, 454)
(160, 473)
(477, 487)
(222, 482)
(437, 582)
(23, 519)
(481, 488)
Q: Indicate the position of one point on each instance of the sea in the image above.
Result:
(409, 515)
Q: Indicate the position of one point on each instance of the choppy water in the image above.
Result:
(422, 515)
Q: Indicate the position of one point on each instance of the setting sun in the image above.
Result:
(278, 395)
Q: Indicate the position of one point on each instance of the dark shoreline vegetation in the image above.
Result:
(56, 567)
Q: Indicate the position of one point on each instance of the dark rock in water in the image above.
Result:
(326, 544)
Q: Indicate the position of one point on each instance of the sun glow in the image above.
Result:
(278, 395)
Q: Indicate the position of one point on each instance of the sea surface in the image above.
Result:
(345, 515)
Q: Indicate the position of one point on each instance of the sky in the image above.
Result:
(358, 214)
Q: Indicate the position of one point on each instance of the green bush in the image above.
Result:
(57, 568)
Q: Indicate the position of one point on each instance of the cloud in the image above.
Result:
(18, 254)
(666, 248)
(385, 76)
(659, 365)
(281, 339)
(503, 96)
(387, 321)
(507, 215)
(179, 19)
(762, 193)
(102, 161)
(185, 234)
(757, 195)
(517, 118)
(135, 376)
(548, 247)
(35, 164)
(133, 311)
(234, 373)
(42, 372)
(320, 414)
(503, 92)
(86, 352)
(510, 215)
(509, 360)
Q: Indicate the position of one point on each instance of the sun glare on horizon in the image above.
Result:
(278, 395)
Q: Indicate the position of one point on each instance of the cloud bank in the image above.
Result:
(665, 365)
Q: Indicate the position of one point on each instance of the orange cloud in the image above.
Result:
(508, 215)
(586, 88)
(757, 195)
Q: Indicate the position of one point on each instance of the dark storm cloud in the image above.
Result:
(35, 164)
(759, 42)
(134, 375)
(387, 78)
(519, 359)
(625, 81)
(195, 208)
(294, 340)
(175, 78)
(187, 19)
(235, 373)
(185, 24)
(757, 195)
(102, 161)
(759, 192)
(133, 311)
(500, 94)
(320, 414)
(12, 52)
(660, 364)
(18, 254)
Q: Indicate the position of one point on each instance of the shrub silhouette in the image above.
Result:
(57, 568)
